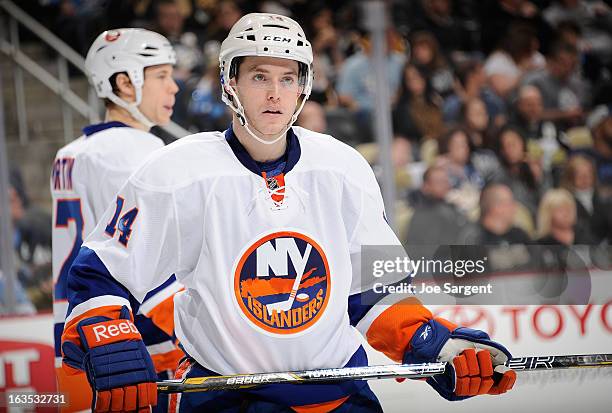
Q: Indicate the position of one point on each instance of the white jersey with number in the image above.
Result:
(86, 175)
(268, 265)
(90, 171)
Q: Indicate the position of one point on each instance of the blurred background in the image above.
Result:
(511, 96)
(501, 114)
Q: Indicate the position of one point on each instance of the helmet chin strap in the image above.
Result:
(133, 110)
(242, 117)
(245, 124)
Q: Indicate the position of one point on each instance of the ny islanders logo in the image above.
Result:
(282, 282)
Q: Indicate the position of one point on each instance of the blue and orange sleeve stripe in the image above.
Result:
(389, 326)
(91, 291)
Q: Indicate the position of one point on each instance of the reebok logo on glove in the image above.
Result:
(425, 333)
(110, 332)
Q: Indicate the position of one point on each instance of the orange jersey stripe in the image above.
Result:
(167, 361)
(320, 407)
(180, 373)
(77, 389)
(391, 332)
(70, 329)
(162, 315)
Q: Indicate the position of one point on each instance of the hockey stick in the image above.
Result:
(413, 371)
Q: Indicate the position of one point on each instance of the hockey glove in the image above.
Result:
(475, 363)
(117, 364)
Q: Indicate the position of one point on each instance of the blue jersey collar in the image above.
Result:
(99, 127)
(291, 156)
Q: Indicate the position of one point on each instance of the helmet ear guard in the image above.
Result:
(127, 51)
(271, 35)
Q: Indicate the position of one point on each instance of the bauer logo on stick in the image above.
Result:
(282, 281)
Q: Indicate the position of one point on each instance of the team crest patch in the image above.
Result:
(282, 282)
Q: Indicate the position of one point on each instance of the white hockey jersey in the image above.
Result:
(86, 175)
(268, 265)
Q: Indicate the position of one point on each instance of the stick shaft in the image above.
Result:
(241, 381)
(560, 362)
(414, 371)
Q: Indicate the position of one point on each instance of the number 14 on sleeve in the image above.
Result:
(123, 224)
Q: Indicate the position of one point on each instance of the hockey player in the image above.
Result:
(132, 70)
(263, 224)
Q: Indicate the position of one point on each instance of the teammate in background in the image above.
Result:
(263, 224)
(132, 70)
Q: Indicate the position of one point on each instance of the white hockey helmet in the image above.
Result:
(271, 35)
(129, 51)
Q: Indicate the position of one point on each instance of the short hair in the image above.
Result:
(518, 40)
(560, 47)
(488, 196)
(430, 170)
(569, 172)
(113, 82)
(569, 26)
(524, 88)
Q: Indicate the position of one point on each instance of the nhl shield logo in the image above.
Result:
(282, 282)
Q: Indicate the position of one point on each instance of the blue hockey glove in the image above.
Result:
(475, 363)
(116, 362)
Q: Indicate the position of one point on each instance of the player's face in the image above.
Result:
(268, 89)
(158, 94)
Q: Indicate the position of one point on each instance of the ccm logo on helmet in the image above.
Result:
(110, 332)
(278, 39)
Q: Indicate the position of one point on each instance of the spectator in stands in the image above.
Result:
(170, 21)
(328, 57)
(471, 83)
(32, 225)
(528, 118)
(517, 54)
(312, 117)
(522, 173)
(477, 126)
(227, 12)
(426, 53)
(593, 215)
(475, 118)
(356, 84)
(594, 19)
(417, 115)
(569, 32)
(202, 97)
(435, 16)
(455, 157)
(496, 16)
(556, 218)
(32, 242)
(527, 111)
(496, 224)
(435, 221)
(600, 124)
(564, 94)
(22, 301)
(79, 21)
(555, 235)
